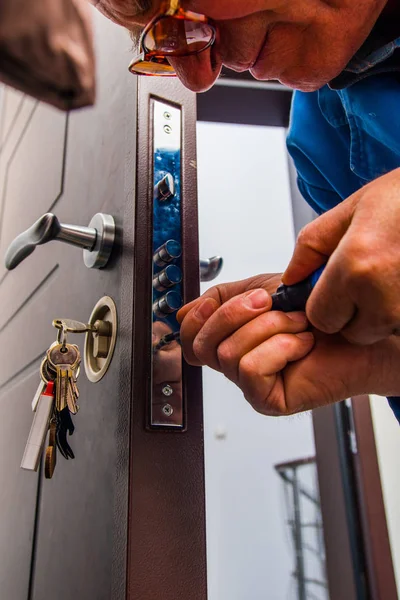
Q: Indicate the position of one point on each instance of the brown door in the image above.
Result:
(125, 519)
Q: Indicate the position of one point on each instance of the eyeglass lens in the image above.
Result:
(178, 36)
(152, 67)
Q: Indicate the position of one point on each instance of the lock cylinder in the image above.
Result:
(170, 276)
(167, 253)
(167, 305)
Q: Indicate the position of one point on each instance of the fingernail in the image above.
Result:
(205, 310)
(258, 299)
(306, 336)
(299, 317)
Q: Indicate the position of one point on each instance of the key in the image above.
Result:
(51, 452)
(64, 359)
(64, 426)
(74, 386)
(72, 396)
(39, 428)
(62, 382)
(71, 326)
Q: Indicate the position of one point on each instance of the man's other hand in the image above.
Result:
(358, 293)
(281, 367)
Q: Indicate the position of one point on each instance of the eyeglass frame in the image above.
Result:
(169, 9)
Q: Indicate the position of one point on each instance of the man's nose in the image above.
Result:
(197, 72)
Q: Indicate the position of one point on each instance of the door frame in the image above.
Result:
(166, 533)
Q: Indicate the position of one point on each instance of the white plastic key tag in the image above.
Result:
(39, 429)
(41, 389)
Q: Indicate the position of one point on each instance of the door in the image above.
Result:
(125, 519)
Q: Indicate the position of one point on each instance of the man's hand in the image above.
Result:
(359, 292)
(280, 367)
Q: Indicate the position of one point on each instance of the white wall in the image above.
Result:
(245, 216)
(387, 436)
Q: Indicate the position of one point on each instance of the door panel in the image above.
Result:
(19, 364)
(32, 179)
(11, 105)
(82, 526)
(76, 166)
(18, 489)
(125, 519)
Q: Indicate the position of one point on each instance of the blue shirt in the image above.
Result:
(347, 133)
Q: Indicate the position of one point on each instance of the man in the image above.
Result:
(345, 139)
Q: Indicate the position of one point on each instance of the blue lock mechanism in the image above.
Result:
(291, 298)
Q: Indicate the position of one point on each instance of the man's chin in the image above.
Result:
(304, 86)
(297, 80)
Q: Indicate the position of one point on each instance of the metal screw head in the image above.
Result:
(167, 115)
(167, 390)
(167, 129)
(167, 410)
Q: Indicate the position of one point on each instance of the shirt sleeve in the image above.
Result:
(394, 403)
(48, 52)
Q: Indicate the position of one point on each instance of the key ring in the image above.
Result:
(62, 335)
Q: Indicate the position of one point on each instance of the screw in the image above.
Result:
(167, 129)
(167, 115)
(167, 410)
(167, 390)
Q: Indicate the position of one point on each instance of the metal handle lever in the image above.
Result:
(96, 240)
(210, 268)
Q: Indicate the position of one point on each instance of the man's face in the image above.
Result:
(302, 43)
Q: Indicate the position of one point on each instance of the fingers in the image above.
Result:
(259, 371)
(318, 240)
(207, 324)
(192, 324)
(244, 340)
(185, 310)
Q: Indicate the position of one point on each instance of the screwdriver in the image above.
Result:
(287, 298)
(291, 298)
(167, 339)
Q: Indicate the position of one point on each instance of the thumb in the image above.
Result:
(318, 240)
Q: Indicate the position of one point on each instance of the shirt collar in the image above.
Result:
(373, 57)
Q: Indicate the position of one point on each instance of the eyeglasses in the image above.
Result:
(172, 32)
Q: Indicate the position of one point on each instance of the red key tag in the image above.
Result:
(39, 429)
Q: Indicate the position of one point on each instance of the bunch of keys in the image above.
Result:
(55, 400)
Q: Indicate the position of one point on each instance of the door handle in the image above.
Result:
(96, 240)
(210, 268)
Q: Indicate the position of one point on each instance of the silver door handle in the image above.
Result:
(210, 268)
(97, 239)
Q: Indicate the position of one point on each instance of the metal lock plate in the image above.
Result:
(167, 402)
